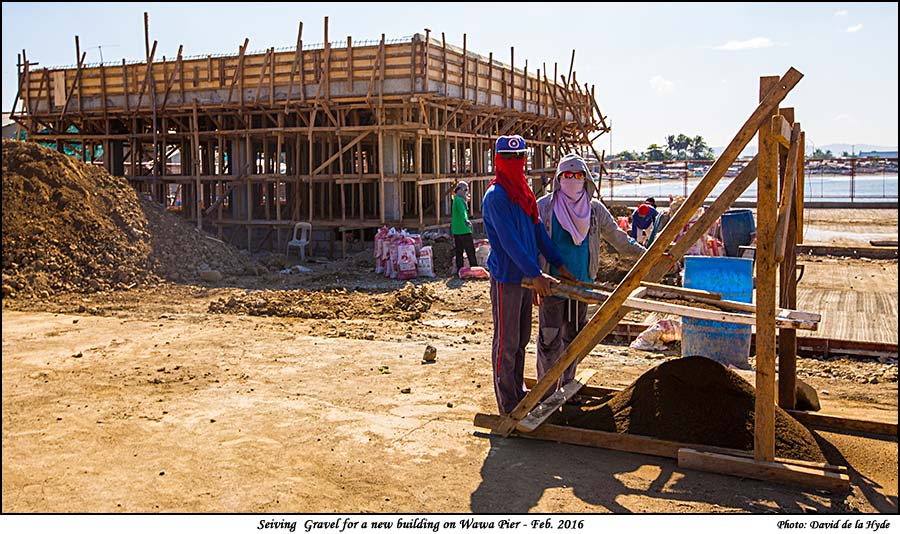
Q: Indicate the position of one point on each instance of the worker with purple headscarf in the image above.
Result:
(576, 223)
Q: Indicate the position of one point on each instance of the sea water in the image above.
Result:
(825, 187)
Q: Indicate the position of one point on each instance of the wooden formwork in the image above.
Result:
(345, 135)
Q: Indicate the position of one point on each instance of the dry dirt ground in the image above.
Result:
(147, 401)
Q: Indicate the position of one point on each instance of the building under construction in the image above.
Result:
(345, 135)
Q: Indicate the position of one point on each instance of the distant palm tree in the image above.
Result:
(682, 143)
(655, 153)
(699, 149)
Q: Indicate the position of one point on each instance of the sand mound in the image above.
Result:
(71, 227)
(693, 400)
(406, 304)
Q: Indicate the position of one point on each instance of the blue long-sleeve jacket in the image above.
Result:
(515, 240)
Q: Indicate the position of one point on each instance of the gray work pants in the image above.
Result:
(511, 311)
(560, 320)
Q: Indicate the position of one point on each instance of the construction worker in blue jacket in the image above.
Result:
(517, 236)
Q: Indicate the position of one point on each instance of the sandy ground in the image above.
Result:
(143, 401)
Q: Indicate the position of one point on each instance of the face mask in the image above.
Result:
(572, 187)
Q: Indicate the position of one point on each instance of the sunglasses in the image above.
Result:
(512, 155)
(569, 174)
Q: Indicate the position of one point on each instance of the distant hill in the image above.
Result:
(836, 148)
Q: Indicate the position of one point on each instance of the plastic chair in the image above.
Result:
(305, 229)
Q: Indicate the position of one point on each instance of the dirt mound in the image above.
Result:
(68, 226)
(71, 227)
(693, 400)
(406, 304)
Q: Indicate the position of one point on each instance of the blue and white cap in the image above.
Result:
(510, 143)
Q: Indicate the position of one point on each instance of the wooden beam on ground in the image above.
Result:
(839, 423)
(605, 319)
(769, 471)
(634, 443)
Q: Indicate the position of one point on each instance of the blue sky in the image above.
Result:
(659, 69)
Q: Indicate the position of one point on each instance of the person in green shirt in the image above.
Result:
(461, 226)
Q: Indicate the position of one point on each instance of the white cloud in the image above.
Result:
(854, 29)
(749, 44)
(842, 117)
(841, 13)
(662, 85)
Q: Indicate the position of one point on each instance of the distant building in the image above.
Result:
(877, 154)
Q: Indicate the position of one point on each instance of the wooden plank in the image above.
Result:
(148, 74)
(806, 321)
(298, 52)
(78, 75)
(349, 145)
(635, 443)
(605, 319)
(767, 194)
(262, 75)
(801, 180)
(839, 423)
(170, 81)
(542, 411)
(592, 438)
(238, 71)
(72, 89)
(787, 273)
(769, 471)
(781, 130)
(786, 206)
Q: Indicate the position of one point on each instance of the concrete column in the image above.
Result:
(391, 168)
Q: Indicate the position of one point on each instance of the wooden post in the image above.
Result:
(197, 167)
(801, 178)
(298, 53)
(787, 338)
(327, 51)
(349, 66)
(426, 59)
(465, 73)
(767, 202)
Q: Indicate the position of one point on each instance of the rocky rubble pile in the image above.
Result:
(179, 251)
(71, 227)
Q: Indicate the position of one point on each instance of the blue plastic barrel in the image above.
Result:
(737, 227)
(726, 343)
